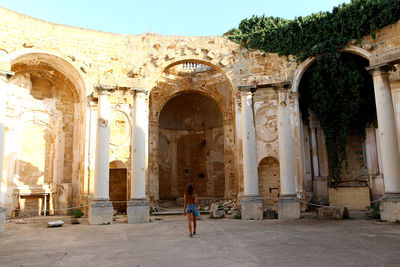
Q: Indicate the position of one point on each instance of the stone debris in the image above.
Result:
(224, 209)
(58, 223)
(333, 213)
(20, 221)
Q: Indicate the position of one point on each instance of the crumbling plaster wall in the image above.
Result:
(140, 61)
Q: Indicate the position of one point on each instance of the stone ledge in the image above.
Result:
(333, 213)
(390, 208)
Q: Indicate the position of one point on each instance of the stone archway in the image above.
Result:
(188, 80)
(47, 84)
(315, 151)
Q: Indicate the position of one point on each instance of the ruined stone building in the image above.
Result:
(87, 117)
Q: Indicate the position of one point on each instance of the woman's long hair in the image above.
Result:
(189, 190)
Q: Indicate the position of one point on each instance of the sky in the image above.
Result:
(165, 17)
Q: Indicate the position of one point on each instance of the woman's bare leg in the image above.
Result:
(189, 222)
(194, 223)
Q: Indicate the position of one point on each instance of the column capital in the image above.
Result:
(380, 69)
(138, 90)
(246, 89)
(105, 89)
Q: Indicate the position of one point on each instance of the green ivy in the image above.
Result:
(337, 87)
(318, 33)
(340, 92)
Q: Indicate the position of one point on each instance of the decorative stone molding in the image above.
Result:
(266, 124)
(102, 122)
(5, 74)
(137, 91)
(105, 89)
(247, 89)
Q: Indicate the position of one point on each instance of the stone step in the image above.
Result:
(174, 212)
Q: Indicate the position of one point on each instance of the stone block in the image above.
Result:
(288, 208)
(333, 213)
(2, 220)
(58, 223)
(252, 208)
(138, 211)
(390, 209)
(354, 198)
(101, 212)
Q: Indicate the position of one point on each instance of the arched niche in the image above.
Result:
(50, 82)
(179, 84)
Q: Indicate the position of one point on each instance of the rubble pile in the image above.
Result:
(224, 209)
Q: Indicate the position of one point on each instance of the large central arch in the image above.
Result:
(193, 78)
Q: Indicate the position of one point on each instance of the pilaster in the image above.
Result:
(3, 82)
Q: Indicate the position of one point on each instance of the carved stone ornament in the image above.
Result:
(102, 122)
(266, 124)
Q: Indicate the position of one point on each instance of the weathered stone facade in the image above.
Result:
(50, 75)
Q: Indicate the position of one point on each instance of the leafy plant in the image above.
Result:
(337, 87)
(340, 92)
(374, 211)
(77, 213)
(319, 33)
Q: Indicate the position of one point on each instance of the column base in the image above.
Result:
(252, 208)
(2, 220)
(288, 208)
(138, 211)
(101, 212)
(390, 208)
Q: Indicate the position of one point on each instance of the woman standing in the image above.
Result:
(191, 201)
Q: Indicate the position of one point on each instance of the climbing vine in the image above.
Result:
(340, 92)
(337, 87)
(318, 33)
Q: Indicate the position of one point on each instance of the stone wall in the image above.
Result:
(269, 182)
(62, 65)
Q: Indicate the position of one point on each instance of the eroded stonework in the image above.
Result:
(51, 116)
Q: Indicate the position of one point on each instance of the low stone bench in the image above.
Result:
(333, 213)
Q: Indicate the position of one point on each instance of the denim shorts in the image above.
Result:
(191, 208)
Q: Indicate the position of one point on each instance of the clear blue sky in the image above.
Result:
(165, 17)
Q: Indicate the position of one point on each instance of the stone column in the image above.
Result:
(101, 209)
(252, 207)
(390, 207)
(297, 128)
(289, 206)
(138, 208)
(3, 84)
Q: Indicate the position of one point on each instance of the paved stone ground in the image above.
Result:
(306, 242)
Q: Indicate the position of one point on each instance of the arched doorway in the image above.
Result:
(118, 186)
(191, 147)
